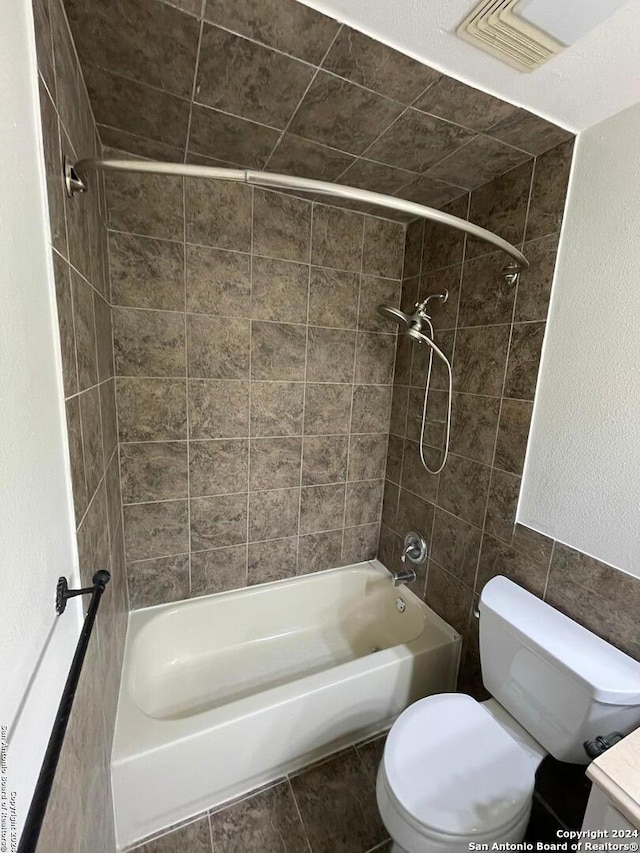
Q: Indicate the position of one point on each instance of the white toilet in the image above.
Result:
(457, 771)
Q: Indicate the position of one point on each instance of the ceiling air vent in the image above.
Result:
(527, 33)
(496, 26)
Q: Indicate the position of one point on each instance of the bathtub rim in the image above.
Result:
(144, 614)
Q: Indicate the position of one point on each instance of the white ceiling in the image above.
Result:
(593, 79)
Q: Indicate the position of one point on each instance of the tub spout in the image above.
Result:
(405, 576)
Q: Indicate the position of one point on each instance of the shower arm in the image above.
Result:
(75, 181)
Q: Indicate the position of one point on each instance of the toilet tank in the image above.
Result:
(562, 683)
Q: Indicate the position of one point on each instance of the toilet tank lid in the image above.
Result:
(609, 675)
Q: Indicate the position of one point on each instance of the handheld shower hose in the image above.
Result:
(414, 328)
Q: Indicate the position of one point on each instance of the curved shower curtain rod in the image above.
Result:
(75, 184)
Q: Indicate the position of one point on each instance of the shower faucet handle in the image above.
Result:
(414, 549)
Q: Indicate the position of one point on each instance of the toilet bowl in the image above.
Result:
(457, 772)
(470, 779)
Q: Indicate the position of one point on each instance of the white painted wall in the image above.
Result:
(36, 526)
(593, 79)
(582, 476)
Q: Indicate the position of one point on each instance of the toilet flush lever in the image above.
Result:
(601, 744)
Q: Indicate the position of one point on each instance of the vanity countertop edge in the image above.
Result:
(617, 773)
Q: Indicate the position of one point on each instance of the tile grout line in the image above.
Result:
(524, 242)
(406, 417)
(435, 504)
(495, 443)
(250, 382)
(248, 795)
(77, 63)
(113, 380)
(209, 821)
(406, 423)
(133, 377)
(193, 89)
(508, 354)
(119, 449)
(63, 128)
(208, 496)
(62, 200)
(304, 94)
(353, 385)
(162, 833)
(78, 392)
(226, 251)
(260, 437)
(455, 335)
(253, 542)
(548, 576)
(214, 317)
(398, 342)
(453, 349)
(456, 393)
(186, 376)
(304, 388)
(51, 52)
(452, 362)
(402, 114)
(90, 502)
(393, 386)
(361, 156)
(98, 387)
(79, 273)
(299, 813)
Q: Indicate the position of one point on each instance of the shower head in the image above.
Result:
(413, 321)
(396, 315)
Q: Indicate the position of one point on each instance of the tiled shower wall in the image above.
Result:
(80, 813)
(280, 86)
(253, 382)
(494, 333)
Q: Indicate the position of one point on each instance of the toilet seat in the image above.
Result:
(413, 837)
(452, 770)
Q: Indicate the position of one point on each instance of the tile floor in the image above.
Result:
(329, 807)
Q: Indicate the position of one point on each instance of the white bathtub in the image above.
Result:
(224, 693)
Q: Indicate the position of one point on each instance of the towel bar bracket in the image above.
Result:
(63, 593)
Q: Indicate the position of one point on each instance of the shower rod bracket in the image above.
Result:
(63, 593)
(511, 273)
(73, 183)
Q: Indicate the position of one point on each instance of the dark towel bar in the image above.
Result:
(37, 809)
